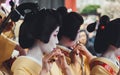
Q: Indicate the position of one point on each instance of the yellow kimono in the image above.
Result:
(103, 66)
(6, 48)
(26, 66)
(82, 68)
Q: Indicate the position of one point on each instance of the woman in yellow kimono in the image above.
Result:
(7, 46)
(39, 35)
(68, 35)
(107, 41)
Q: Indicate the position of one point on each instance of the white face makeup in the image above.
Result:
(51, 45)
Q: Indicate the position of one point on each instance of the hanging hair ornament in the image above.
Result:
(22, 9)
(17, 12)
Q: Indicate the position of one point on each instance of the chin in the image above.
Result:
(48, 51)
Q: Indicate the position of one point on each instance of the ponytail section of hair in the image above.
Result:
(100, 45)
(26, 39)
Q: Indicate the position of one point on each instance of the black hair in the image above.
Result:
(38, 25)
(113, 33)
(62, 10)
(110, 36)
(102, 23)
(104, 19)
(71, 24)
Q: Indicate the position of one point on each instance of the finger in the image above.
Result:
(47, 57)
(52, 56)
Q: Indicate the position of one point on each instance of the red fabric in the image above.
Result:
(118, 57)
(71, 4)
(106, 66)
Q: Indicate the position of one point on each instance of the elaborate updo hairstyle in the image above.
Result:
(38, 25)
(100, 35)
(113, 33)
(101, 24)
(71, 23)
(62, 11)
(110, 36)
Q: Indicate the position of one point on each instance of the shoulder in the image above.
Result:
(25, 64)
(101, 60)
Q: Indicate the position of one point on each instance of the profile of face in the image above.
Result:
(51, 45)
(83, 37)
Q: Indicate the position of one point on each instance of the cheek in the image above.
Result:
(47, 48)
(53, 41)
(50, 45)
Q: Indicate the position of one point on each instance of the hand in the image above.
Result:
(9, 26)
(21, 50)
(48, 60)
(61, 61)
(81, 49)
(78, 50)
(74, 56)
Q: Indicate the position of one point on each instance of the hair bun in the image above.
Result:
(62, 11)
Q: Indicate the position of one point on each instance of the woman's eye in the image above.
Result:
(55, 35)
